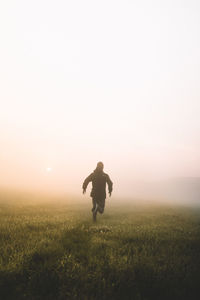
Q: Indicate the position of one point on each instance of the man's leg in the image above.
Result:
(101, 205)
(94, 209)
(94, 204)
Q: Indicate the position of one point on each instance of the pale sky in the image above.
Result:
(88, 81)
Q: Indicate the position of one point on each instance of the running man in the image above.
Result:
(98, 193)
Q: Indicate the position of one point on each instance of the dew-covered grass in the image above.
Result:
(134, 251)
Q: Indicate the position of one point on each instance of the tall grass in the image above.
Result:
(54, 251)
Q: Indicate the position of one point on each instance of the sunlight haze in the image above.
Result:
(89, 81)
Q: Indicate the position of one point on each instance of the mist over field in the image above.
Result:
(174, 191)
(106, 81)
(116, 82)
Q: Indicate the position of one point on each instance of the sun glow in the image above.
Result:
(83, 81)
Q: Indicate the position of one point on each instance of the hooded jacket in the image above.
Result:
(99, 180)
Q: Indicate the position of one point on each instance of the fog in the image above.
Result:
(114, 81)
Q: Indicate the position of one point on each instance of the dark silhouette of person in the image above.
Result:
(98, 193)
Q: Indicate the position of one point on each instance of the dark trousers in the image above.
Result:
(98, 204)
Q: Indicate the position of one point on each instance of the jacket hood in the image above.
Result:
(98, 171)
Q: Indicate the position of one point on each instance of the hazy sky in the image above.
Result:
(83, 81)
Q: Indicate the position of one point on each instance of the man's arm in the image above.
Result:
(110, 185)
(86, 181)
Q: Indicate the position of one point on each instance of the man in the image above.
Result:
(98, 193)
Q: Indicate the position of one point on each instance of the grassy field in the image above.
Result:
(134, 251)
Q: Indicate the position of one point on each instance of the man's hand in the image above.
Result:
(84, 191)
